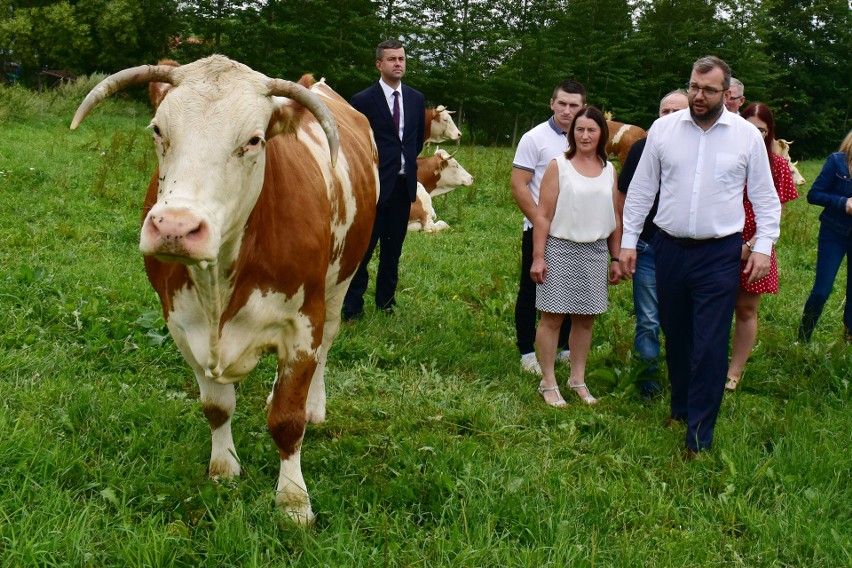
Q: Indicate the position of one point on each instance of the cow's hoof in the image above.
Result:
(224, 468)
(315, 415)
(297, 509)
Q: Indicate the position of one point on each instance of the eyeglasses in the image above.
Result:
(708, 91)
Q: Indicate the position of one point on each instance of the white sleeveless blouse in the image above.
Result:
(584, 211)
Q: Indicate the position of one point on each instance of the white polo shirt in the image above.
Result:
(536, 150)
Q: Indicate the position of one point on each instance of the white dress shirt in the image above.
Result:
(389, 91)
(701, 176)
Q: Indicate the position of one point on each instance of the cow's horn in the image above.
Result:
(121, 80)
(312, 102)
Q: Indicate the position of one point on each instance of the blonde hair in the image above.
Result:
(846, 148)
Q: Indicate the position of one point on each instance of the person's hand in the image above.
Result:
(627, 262)
(849, 206)
(615, 275)
(538, 271)
(757, 266)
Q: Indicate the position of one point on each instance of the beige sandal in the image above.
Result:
(558, 403)
(588, 399)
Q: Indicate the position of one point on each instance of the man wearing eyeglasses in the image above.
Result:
(736, 95)
(700, 159)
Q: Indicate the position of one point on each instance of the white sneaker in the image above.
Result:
(564, 356)
(529, 363)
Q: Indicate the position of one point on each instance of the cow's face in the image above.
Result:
(212, 121)
(443, 126)
(210, 142)
(450, 174)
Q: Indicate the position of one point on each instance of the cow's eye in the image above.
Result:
(156, 130)
(255, 141)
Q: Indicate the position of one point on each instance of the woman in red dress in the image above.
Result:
(745, 325)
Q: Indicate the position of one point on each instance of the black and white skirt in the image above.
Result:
(577, 277)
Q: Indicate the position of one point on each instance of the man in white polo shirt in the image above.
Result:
(535, 151)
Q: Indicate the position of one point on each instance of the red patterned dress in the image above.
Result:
(786, 189)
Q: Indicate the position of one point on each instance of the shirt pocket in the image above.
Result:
(730, 169)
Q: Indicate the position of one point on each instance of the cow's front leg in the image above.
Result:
(218, 403)
(286, 423)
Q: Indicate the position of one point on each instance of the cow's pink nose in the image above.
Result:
(175, 231)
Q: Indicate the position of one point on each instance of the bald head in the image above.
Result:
(673, 102)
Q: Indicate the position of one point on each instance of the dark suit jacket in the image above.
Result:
(371, 103)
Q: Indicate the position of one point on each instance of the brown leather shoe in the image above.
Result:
(693, 455)
(672, 421)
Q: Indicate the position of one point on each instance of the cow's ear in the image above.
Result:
(443, 164)
(285, 119)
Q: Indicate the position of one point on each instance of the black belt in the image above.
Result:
(685, 242)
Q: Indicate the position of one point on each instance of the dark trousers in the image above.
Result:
(697, 287)
(525, 312)
(831, 248)
(389, 232)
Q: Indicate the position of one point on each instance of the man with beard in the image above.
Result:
(701, 160)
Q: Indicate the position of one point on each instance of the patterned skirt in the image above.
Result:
(577, 278)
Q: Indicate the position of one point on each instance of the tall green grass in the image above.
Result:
(437, 451)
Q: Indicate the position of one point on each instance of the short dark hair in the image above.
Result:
(710, 62)
(387, 44)
(572, 87)
(596, 115)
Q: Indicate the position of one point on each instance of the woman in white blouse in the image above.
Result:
(576, 240)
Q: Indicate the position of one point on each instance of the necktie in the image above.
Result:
(396, 110)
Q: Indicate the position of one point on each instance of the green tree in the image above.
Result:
(593, 40)
(809, 43)
(45, 36)
(670, 36)
(87, 35)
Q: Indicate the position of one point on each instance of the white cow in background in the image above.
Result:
(423, 216)
(440, 126)
(436, 175)
(782, 147)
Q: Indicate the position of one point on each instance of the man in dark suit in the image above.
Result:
(397, 115)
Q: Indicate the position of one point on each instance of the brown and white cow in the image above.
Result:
(440, 126)
(423, 216)
(622, 137)
(782, 147)
(441, 173)
(436, 175)
(254, 225)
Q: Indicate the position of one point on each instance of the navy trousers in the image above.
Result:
(697, 287)
(389, 232)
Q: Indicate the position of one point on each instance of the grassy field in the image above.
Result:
(438, 451)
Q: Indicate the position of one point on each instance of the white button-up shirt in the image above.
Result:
(389, 91)
(701, 176)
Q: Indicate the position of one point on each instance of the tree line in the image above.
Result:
(494, 61)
